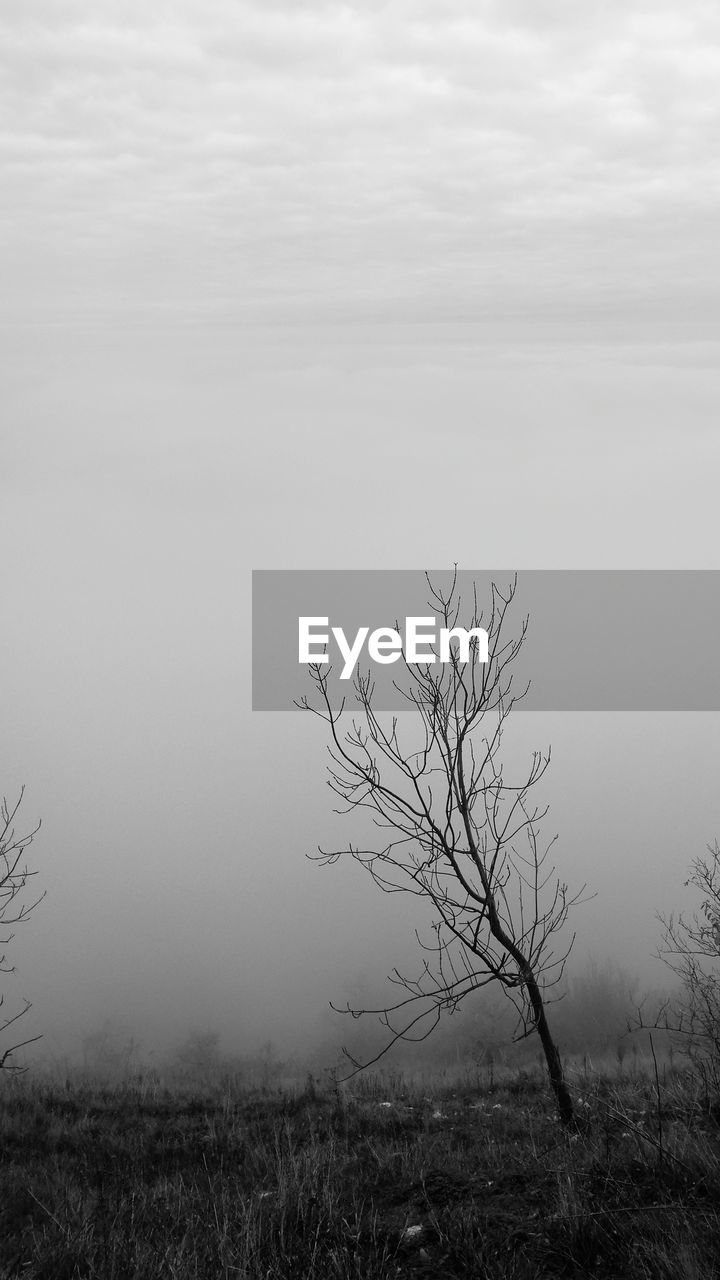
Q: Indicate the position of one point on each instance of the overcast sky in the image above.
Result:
(327, 285)
(414, 157)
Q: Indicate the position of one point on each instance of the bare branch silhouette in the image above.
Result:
(463, 836)
(14, 877)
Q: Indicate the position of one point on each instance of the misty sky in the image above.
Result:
(326, 285)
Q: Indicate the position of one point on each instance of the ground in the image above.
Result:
(386, 1178)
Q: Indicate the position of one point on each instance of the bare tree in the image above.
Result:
(14, 876)
(464, 838)
(690, 947)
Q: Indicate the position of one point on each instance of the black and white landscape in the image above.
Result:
(308, 284)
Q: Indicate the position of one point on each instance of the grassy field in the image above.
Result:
(386, 1178)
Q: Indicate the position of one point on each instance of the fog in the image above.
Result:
(139, 494)
(208, 370)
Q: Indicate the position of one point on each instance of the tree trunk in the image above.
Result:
(552, 1053)
(556, 1074)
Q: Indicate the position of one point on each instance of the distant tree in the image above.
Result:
(107, 1054)
(593, 1016)
(690, 947)
(464, 838)
(14, 876)
(199, 1055)
(270, 1063)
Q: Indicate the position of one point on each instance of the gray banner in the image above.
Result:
(597, 640)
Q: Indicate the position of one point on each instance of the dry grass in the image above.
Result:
(387, 1179)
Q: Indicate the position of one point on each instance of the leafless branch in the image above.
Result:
(464, 837)
(14, 877)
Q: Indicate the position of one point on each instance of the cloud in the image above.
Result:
(250, 154)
